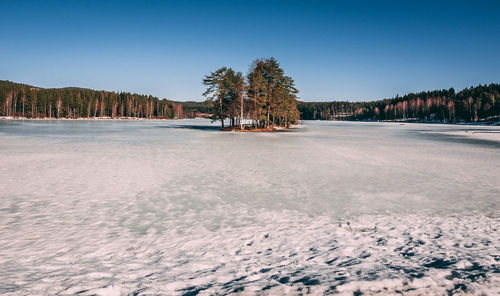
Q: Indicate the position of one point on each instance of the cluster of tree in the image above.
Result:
(266, 96)
(473, 104)
(20, 100)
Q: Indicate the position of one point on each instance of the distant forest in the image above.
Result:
(481, 103)
(21, 100)
(474, 104)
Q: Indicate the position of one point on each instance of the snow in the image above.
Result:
(482, 134)
(156, 207)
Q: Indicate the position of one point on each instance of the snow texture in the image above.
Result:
(180, 208)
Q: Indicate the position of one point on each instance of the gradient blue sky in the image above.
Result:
(355, 50)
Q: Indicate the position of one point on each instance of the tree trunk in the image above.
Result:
(241, 115)
(268, 114)
(255, 110)
(269, 106)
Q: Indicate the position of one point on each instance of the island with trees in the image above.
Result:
(262, 101)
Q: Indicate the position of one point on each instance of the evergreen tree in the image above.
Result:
(273, 92)
(225, 90)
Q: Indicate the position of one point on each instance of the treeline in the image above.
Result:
(194, 109)
(473, 104)
(20, 100)
(265, 98)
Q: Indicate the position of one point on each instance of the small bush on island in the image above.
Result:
(266, 98)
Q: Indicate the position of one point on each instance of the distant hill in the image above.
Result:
(22, 100)
(480, 103)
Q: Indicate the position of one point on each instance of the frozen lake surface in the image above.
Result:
(180, 208)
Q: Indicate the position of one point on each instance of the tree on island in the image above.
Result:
(268, 96)
(223, 93)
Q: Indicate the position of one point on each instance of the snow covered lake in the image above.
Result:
(180, 208)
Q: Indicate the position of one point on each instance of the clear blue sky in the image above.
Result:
(356, 50)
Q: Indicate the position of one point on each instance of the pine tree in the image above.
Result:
(225, 89)
(274, 92)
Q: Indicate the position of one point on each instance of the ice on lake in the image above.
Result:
(181, 208)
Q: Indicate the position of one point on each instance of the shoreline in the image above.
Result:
(87, 118)
(478, 123)
(481, 123)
